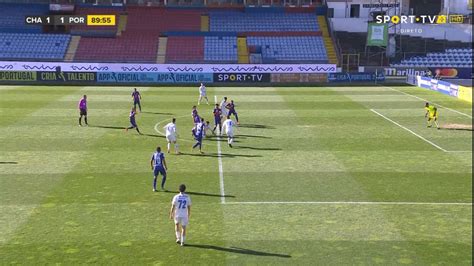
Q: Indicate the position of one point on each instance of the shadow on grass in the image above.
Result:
(256, 126)
(251, 136)
(153, 135)
(8, 162)
(223, 155)
(258, 149)
(109, 127)
(456, 129)
(239, 250)
(157, 113)
(200, 194)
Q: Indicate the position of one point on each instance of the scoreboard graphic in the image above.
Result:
(69, 20)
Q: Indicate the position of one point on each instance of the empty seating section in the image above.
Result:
(138, 42)
(220, 49)
(12, 17)
(250, 22)
(156, 20)
(185, 49)
(33, 46)
(120, 49)
(457, 57)
(294, 48)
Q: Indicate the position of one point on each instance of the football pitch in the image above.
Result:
(317, 176)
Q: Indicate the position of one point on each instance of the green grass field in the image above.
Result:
(320, 176)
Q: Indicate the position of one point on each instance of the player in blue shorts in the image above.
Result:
(217, 119)
(231, 107)
(158, 165)
(133, 123)
(136, 99)
(198, 133)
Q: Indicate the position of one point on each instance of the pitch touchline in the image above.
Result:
(388, 119)
(348, 203)
(419, 98)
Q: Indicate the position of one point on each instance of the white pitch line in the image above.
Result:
(425, 100)
(219, 160)
(221, 170)
(348, 203)
(430, 142)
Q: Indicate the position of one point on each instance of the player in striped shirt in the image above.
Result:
(136, 99)
(198, 133)
(133, 123)
(180, 212)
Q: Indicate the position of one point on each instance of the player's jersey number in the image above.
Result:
(182, 204)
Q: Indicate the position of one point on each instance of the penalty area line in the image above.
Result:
(419, 136)
(425, 100)
(348, 203)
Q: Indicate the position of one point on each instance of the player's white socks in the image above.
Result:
(178, 235)
(230, 140)
(176, 147)
(169, 146)
(182, 239)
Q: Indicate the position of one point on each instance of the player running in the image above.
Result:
(231, 107)
(223, 105)
(171, 135)
(133, 123)
(180, 212)
(82, 110)
(432, 115)
(217, 119)
(195, 115)
(202, 94)
(228, 128)
(158, 165)
(198, 133)
(136, 99)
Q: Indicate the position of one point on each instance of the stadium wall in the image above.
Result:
(447, 88)
(59, 73)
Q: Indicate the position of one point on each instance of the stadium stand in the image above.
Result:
(185, 49)
(169, 35)
(33, 46)
(232, 21)
(13, 17)
(290, 48)
(449, 58)
(220, 49)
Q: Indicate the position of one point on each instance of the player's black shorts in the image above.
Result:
(83, 111)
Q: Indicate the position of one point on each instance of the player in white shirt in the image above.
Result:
(202, 94)
(228, 128)
(223, 105)
(180, 212)
(171, 135)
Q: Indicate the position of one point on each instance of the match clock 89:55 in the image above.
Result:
(100, 20)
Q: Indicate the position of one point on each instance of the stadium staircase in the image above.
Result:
(122, 25)
(72, 48)
(328, 42)
(242, 50)
(161, 55)
(205, 23)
